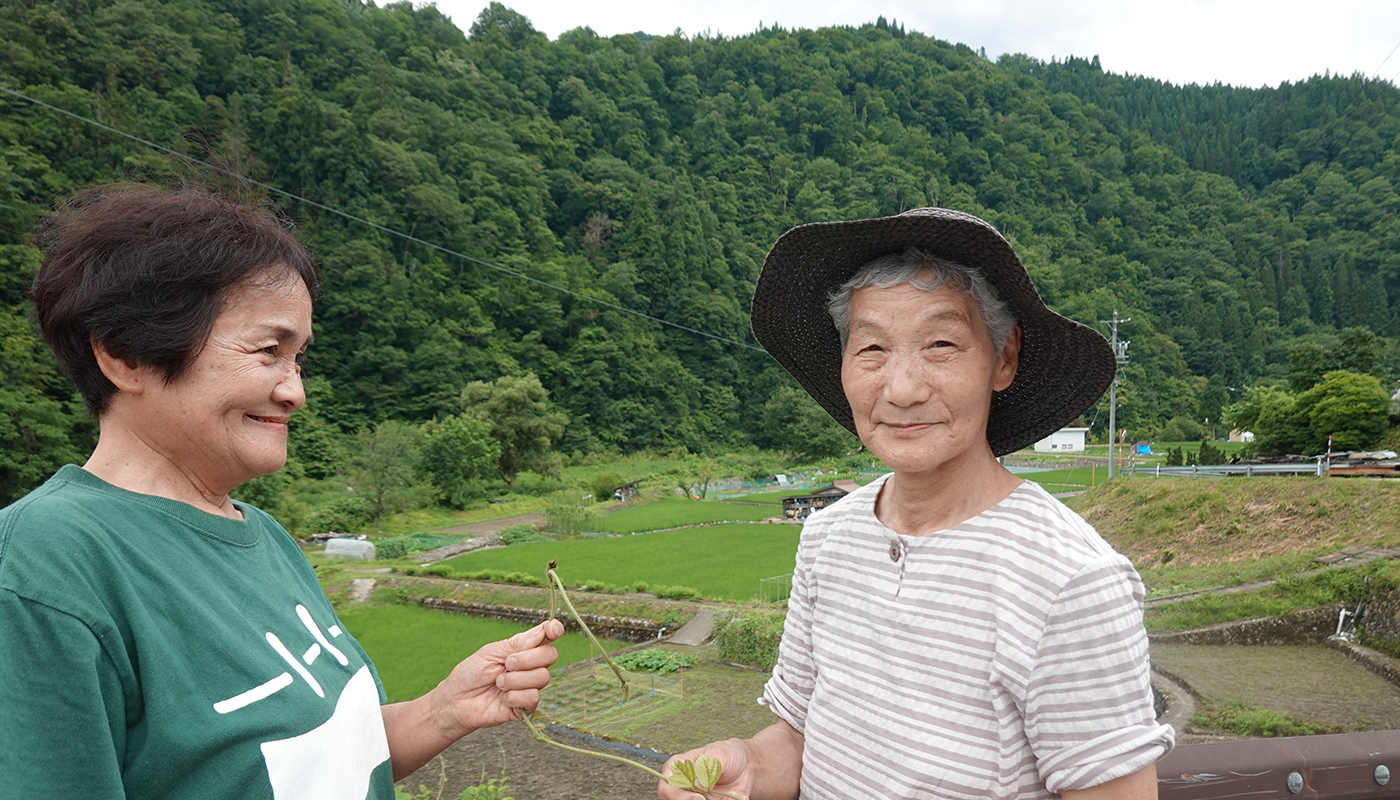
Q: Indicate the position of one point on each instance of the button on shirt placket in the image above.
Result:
(898, 554)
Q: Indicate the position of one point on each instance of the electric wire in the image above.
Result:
(1377, 73)
(375, 225)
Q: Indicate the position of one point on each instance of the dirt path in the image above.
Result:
(482, 534)
(493, 525)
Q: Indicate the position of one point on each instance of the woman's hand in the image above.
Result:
(495, 684)
(735, 777)
(766, 767)
(498, 681)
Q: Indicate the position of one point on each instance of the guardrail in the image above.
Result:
(1348, 766)
(1218, 470)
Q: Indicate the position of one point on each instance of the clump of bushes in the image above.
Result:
(751, 638)
(655, 661)
(393, 547)
(522, 534)
(1254, 722)
(676, 592)
(444, 571)
(343, 515)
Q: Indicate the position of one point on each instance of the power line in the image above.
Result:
(375, 225)
(1377, 73)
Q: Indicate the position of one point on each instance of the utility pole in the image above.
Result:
(1120, 354)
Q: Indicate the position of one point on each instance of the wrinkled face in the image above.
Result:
(919, 370)
(225, 420)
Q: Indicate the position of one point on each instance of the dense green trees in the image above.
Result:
(518, 416)
(1351, 408)
(1251, 235)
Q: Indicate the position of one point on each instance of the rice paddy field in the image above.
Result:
(672, 512)
(414, 648)
(722, 562)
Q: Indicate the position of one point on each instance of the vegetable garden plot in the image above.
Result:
(586, 697)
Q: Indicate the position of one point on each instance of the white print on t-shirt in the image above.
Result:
(284, 680)
(334, 760)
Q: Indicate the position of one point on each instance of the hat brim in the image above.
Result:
(1064, 368)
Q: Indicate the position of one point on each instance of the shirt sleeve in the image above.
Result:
(62, 706)
(789, 692)
(1088, 710)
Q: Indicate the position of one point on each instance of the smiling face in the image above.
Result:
(225, 421)
(919, 370)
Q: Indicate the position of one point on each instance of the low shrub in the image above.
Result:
(521, 534)
(392, 547)
(1254, 722)
(676, 592)
(343, 515)
(655, 661)
(751, 638)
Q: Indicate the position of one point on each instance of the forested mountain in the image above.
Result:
(654, 172)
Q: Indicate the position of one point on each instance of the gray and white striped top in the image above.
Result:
(1002, 658)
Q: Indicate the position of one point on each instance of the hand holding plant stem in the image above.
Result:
(699, 776)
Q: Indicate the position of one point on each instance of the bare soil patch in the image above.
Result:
(493, 525)
(533, 771)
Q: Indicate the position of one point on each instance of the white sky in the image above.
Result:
(1238, 42)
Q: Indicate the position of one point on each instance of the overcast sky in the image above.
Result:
(1238, 42)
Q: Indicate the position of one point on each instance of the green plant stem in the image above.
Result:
(563, 595)
(539, 736)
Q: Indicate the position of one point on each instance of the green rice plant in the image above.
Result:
(674, 512)
(413, 647)
(699, 558)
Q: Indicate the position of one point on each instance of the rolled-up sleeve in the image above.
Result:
(789, 691)
(1088, 708)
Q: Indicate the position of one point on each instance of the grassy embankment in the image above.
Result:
(1188, 535)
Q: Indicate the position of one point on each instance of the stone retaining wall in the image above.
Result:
(1312, 626)
(1382, 616)
(625, 629)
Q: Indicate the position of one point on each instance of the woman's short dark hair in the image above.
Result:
(144, 272)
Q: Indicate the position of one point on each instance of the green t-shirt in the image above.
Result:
(151, 650)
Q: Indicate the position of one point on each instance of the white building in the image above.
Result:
(1063, 440)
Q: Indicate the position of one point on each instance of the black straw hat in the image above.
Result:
(1065, 367)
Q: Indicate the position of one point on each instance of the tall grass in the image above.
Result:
(1288, 594)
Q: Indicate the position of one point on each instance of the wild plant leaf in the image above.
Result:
(683, 776)
(707, 772)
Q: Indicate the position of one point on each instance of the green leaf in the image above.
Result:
(707, 771)
(683, 776)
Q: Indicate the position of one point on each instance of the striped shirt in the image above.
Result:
(1002, 658)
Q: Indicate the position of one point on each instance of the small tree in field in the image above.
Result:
(456, 453)
(385, 464)
(522, 420)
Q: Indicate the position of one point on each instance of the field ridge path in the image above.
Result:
(697, 630)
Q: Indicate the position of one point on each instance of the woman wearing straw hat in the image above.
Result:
(953, 631)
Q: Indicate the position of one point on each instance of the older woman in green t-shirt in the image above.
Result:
(157, 638)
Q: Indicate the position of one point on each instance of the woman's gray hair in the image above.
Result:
(923, 271)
